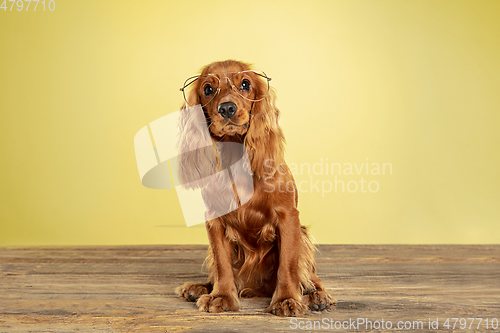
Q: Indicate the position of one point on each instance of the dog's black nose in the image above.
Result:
(227, 109)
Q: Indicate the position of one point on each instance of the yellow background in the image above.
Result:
(411, 83)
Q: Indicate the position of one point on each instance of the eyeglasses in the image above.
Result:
(239, 82)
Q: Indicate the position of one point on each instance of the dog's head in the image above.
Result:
(229, 91)
(239, 106)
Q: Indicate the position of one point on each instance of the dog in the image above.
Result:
(259, 249)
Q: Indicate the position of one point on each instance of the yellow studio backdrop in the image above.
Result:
(390, 110)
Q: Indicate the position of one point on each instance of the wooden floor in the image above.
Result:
(130, 289)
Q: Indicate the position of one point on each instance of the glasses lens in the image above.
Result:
(209, 87)
(187, 87)
(252, 85)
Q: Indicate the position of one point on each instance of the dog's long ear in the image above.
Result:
(264, 140)
(197, 156)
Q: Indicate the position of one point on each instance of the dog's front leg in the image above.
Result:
(224, 296)
(287, 299)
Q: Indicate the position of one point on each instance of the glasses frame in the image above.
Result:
(196, 77)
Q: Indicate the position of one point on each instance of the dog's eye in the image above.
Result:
(245, 85)
(208, 90)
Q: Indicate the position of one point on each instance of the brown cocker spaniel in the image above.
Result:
(260, 249)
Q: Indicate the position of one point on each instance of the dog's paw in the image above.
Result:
(217, 303)
(319, 301)
(193, 291)
(287, 308)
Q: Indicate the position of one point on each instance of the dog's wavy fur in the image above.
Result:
(260, 249)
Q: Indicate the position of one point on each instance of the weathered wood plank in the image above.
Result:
(125, 289)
